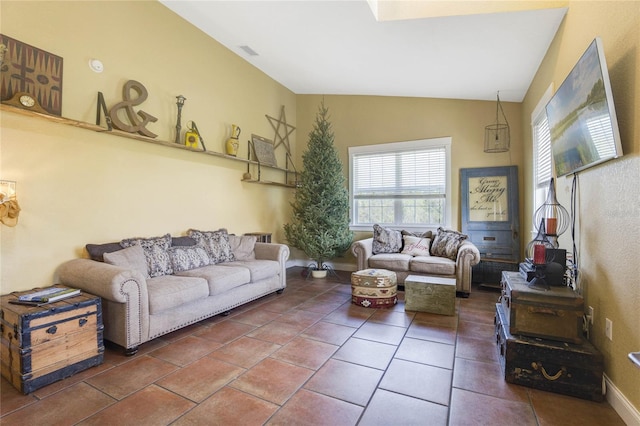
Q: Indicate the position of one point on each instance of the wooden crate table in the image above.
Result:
(374, 288)
(436, 295)
(43, 344)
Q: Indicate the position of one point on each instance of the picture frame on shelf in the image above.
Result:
(264, 151)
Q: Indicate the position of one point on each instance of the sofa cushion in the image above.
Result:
(156, 251)
(216, 243)
(184, 258)
(259, 269)
(390, 261)
(432, 265)
(446, 243)
(131, 258)
(220, 278)
(386, 240)
(170, 291)
(415, 246)
(243, 246)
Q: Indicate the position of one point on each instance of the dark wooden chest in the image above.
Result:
(44, 344)
(560, 367)
(554, 314)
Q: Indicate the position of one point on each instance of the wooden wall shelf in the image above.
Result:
(115, 132)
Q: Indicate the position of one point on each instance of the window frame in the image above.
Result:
(540, 189)
(394, 147)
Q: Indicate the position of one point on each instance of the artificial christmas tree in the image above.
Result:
(320, 222)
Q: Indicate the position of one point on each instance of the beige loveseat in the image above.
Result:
(202, 278)
(419, 257)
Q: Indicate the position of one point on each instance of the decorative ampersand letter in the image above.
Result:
(137, 125)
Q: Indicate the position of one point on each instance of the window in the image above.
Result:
(542, 165)
(403, 184)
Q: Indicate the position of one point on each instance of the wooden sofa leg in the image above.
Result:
(131, 351)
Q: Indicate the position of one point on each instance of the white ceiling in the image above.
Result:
(456, 49)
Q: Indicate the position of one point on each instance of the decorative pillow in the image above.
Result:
(216, 244)
(97, 251)
(131, 257)
(185, 258)
(156, 251)
(242, 246)
(416, 246)
(446, 243)
(386, 240)
(182, 241)
(427, 234)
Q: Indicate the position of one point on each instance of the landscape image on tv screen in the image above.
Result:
(582, 117)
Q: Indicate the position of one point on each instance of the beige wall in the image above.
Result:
(608, 197)
(367, 120)
(76, 186)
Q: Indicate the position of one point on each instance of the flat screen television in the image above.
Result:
(582, 116)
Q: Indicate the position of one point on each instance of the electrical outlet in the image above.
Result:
(590, 314)
(608, 328)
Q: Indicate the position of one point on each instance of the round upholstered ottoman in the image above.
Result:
(374, 288)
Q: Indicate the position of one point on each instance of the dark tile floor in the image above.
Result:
(308, 357)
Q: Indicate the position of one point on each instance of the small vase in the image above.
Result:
(232, 142)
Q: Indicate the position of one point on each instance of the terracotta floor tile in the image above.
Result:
(225, 331)
(476, 330)
(365, 352)
(229, 406)
(12, 399)
(477, 316)
(554, 409)
(389, 408)
(470, 408)
(418, 380)
(426, 352)
(334, 334)
(345, 381)
(68, 406)
(306, 353)
(349, 315)
(272, 380)
(434, 332)
(310, 408)
(277, 332)
(149, 406)
(300, 318)
(333, 297)
(320, 307)
(245, 352)
(436, 319)
(382, 333)
(477, 349)
(397, 318)
(183, 332)
(486, 378)
(132, 376)
(199, 380)
(186, 350)
(70, 381)
(256, 316)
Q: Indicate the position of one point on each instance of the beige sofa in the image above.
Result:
(137, 307)
(403, 264)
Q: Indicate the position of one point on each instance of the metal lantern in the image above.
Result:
(552, 215)
(496, 136)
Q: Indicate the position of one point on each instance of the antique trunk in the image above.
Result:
(560, 367)
(554, 314)
(430, 294)
(47, 343)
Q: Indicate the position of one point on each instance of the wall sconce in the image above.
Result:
(9, 208)
(496, 136)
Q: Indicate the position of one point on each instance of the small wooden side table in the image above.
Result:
(47, 343)
(262, 237)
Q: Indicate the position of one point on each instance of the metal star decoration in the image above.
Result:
(279, 125)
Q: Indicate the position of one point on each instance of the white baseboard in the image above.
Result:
(630, 415)
(349, 267)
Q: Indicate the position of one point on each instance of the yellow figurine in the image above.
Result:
(232, 142)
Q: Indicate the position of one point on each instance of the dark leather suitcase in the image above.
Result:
(568, 369)
(554, 314)
(43, 344)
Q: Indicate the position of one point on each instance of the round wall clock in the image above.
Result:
(25, 100)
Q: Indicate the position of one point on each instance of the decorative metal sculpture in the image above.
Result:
(180, 103)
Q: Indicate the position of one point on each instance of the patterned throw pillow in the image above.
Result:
(386, 240)
(156, 251)
(185, 258)
(446, 243)
(416, 246)
(215, 243)
(131, 258)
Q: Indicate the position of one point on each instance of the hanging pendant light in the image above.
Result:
(496, 136)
